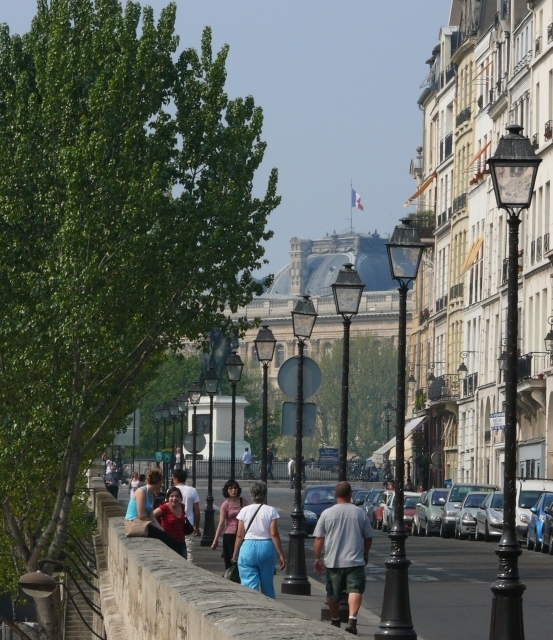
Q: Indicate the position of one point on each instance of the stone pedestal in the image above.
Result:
(222, 417)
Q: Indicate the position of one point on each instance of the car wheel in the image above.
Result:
(427, 531)
(384, 526)
(544, 547)
(478, 535)
(487, 536)
(537, 546)
(443, 532)
(530, 544)
(415, 529)
(550, 548)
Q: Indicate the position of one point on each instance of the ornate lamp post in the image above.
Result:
(157, 418)
(513, 169)
(234, 367)
(388, 409)
(549, 337)
(347, 291)
(174, 411)
(182, 401)
(211, 386)
(404, 252)
(194, 393)
(165, 412)
(265, 344)
(296, 581)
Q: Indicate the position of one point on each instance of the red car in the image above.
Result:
(409, 504)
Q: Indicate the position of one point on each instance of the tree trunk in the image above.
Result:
(48, 612)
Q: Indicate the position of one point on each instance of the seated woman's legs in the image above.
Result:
(159, 534)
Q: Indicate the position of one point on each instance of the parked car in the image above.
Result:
(316, 499)
(388, 495)
(465, 524)
(372, 500)
(379, 513)
(428, 512)
(359, 496)
(409, 504)
(535, 526)
(547, 531)
(529, 492)
(489, 517)
(454, 501)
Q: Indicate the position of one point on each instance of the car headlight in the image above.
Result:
(451, 514)
(310, 515)
(436, 518)
(496, 520)
(468, 517)
(524, 518)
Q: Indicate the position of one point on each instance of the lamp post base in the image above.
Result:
(507, 621)
(296, 581)
(209, 525)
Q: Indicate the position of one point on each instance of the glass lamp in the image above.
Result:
(347, 291)
(182, 401)
(174, 408)
(195, 393)
(405, 251)
(211, 381)
(303, 318)
(265, 344)
(462, 371)
(165, 411)
(157, 412)
(234, 367)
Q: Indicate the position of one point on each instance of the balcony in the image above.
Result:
(537, 46)
(545, 243)
(459, 202)
(535, 141)
(469, 385)
(424, 222)
(550, 33)
(450, 73)
(531, 365)
(444, 388)
(548, 132)
(532, 252)
(444, 217)
(441, 303)
(531, 383)
(456, 291)
(463, 116)
(505, 9)
(538, 250)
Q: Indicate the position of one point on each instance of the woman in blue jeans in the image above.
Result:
(256, 548)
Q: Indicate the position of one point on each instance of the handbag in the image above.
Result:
(136, 528)
(188, 527)
(232, 572)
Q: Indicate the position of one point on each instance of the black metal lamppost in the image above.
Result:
(234, 367)
(296, 581)
(194, 393)
(165, 412)
(347, 291)
(549, 337)
(388, 409)
(182, 401)
(174, 411)
(157, 419)
(404, 252)
(513, 170)
(265, 344)
(211, 386)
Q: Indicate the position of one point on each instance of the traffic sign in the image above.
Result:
(288, 419)
(189, 442)
(288, 377)
(167, 457)
(328, 455)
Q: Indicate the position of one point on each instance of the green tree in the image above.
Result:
(127, 223)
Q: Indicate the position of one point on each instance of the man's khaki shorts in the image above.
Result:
(348, 580)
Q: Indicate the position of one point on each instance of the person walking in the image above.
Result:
(134, 484)
(227, 519)
(191, 501)
(256, 556)
(247, 464)
(112, 482)
(346, 534)
(179, 459)
(270, 460)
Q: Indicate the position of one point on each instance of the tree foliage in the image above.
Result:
(127, 223)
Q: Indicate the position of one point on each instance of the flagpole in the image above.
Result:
(351, 207)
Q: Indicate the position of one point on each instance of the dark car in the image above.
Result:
(371, 504)
(316, 499)
(535, 526)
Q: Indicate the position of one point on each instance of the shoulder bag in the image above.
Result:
(232, 573)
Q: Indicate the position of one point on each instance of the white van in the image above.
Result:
(528, 493)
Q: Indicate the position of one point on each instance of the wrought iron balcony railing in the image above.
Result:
(550, 33)
(469, 385)
(459, 202)
(532, 365)
(537, 46)
(441, 303)
(532, 252)
(548, 131)
(444, 388)
(538, 250)
(535, 141)
(456, 291)
(463, 116)
(545, 243)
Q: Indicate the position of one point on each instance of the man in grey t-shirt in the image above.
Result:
(346, 534)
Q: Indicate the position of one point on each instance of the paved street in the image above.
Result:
(449, 579)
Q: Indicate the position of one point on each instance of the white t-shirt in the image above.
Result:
(189, 497)
(260, 528)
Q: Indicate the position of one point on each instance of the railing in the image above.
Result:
(506, 268)
(469, 385)
(537, 46)
(459, 202)
(456, 291)
(548, 132)
(535, 141)
(538, 250)
(446, 147)
(444, 388)
(532, 365)
(444, 217)
(463, 116)
(550, 33)
(441, 303)
(532, 252)
(450, 72)
(505, 9)
(424, 223)
(545, 243)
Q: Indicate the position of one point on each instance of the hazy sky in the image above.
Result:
(338, 81)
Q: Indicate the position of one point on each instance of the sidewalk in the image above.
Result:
(309, 606)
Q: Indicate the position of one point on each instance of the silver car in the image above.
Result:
(465, 523)
(428, 512)
(489, 518)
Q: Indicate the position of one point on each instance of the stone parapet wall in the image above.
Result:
(149, 591)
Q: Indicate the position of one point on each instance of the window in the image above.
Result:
(279, 356)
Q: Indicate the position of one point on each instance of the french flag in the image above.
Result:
(356, 200)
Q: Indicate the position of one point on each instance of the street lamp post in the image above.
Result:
(347, 291)
(265, 344)
(296, 581)
(211, 386)
(234, 367)
(513, 169)
(388, 409)
(194, 393)
(157, 418)
(404, 252)
(182, 401)
(174, 410)
(165, 412)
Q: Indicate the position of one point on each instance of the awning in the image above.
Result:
(378, 455)
(471, 255)
(424, 186)
(477, 155)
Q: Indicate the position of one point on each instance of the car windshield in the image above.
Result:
(528, 499)
(459, 492)
(475, 501)
(410, 503)
(497, 501)
(547, 501)
(376, 498)
(320, 496)
(360, 495)
(439, 498)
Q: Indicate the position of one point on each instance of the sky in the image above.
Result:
(338, 81)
